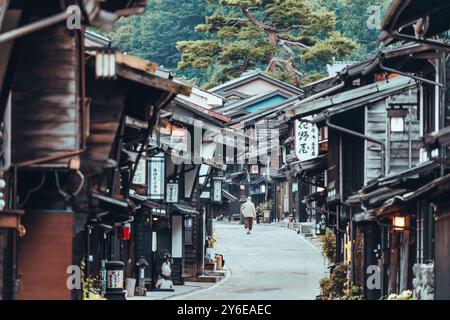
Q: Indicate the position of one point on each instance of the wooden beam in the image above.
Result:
(136, 63)
(152, 81)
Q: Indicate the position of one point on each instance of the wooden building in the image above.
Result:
(66, 104)
(250, 101)
(364, 141)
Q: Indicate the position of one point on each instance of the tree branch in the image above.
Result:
(257, 23)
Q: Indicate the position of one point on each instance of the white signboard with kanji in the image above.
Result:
(217, 190)
(172, 193)
(306, 140)
(141, 172)
(156, 178)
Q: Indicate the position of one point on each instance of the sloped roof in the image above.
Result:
(230, 109)
(351, 98)
(230, 85)
(272, 110)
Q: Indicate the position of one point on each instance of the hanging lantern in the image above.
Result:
(105, 64)
(124, 232)
(398, 223)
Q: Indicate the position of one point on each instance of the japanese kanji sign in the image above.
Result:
(306, 140)
(156, 177)
(172, 193)
(141, 172)
(217, 190)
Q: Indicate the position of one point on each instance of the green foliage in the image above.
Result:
(230, 44)
(352, 17)
(154, 34)
(264, 207)
(277, 35)
(88, 285)
(352, 292)
(328, 241)
(333, 287)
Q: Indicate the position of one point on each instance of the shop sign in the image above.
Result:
(172, 192)
(114, 279)
(141, 173)
(306, 140)
(156, 177)
(217, 190)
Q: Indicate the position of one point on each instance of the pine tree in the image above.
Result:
(352, 18)
(281, 36)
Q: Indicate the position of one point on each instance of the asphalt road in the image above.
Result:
(272, 263)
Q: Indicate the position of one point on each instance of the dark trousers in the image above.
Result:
(248, 222)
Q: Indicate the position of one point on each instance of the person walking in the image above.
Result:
(248, 210)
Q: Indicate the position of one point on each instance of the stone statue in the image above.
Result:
(423, 281)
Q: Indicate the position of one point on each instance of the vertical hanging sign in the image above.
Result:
(172, 192)
(306, 140)
(141, 172)
(217, 190)
(156, 177)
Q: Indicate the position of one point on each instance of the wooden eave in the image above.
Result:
(148, 79)
(402, 14)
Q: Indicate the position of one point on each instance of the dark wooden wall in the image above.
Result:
(45, 253)
(45, 95)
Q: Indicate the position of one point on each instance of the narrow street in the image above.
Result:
(273, 263)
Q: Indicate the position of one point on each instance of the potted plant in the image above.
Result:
(264, 209)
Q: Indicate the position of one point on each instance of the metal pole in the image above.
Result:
(409, 138)
(32, 27)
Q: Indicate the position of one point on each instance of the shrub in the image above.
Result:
(328, 241)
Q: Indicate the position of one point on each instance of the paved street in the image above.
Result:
(273, 263)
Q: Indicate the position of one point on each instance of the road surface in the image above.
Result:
(272, 263)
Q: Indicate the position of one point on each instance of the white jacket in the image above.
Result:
(248, 210)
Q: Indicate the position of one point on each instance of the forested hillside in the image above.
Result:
(176, 21)
(154, 34)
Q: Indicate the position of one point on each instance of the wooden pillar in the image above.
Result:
(394, 263)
